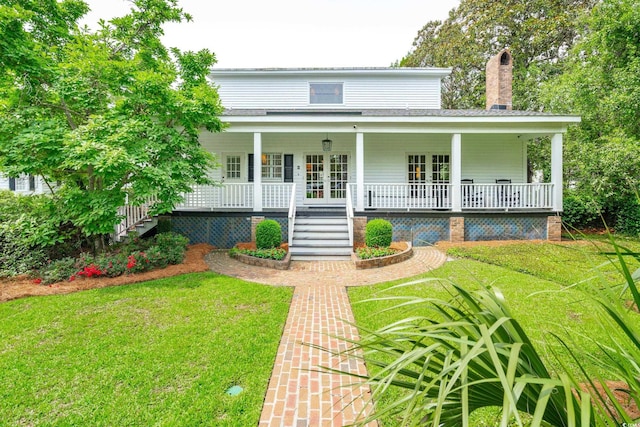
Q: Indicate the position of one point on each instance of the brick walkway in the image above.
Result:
(298, 396)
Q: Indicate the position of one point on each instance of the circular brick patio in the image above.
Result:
(341, 273)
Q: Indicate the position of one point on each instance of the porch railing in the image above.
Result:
(473, 196)
(220, 196)
(237, 196)
(277, 196)
(507, 196)
(382, 196)
(131, 215)
(407, 196)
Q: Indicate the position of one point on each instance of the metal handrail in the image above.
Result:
(292, 213)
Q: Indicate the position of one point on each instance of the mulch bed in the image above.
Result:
(620, 391)
(24, 287)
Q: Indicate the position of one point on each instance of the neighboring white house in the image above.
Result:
(24, 184)
(375, 141)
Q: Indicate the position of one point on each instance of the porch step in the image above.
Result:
(146, 225)
(321, 228)
(320, 238)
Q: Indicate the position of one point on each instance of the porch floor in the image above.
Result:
(298, 395)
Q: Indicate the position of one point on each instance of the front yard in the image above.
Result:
(164, 352)
(155, 353)
(536, 280)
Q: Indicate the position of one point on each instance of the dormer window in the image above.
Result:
(325, 93)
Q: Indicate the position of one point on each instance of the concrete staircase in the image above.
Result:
(318, 238)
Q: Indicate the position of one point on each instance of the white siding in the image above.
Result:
(385, 155)
(485, 158)
(360, 92)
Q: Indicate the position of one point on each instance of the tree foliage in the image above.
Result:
(538, 33)
(601, 82)
(107, 115)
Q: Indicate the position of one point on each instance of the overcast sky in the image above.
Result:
(296, 33)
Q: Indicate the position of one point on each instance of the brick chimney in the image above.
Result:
(499, 77)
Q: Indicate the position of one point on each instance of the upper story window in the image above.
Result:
(326, 93)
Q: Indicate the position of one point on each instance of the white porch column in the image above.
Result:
(257, 172)
(456, 172)
(556, 171)
(359, 172)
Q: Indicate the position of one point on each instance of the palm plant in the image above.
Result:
(621, 357)
(465, 354)
(469, 352)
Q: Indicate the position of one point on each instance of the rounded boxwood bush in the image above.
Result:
(268, 234)
(378, 233)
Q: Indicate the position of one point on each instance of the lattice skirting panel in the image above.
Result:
(219, 231)
(505, 228)
(419, 231)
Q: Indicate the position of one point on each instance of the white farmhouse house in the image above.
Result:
(323, 151)
(349, 145)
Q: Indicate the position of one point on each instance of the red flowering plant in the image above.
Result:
(90, 271)
(138, 262)
(134, 257)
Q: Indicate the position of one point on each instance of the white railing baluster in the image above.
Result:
(292, 213)
(349, 209)
(131, 216)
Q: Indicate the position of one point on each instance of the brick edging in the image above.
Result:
(262, 262)
(362, 264)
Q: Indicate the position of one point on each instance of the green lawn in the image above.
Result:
(155, 353)
(535, 280)
(590, 261)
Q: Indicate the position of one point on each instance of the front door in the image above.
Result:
(327, 176)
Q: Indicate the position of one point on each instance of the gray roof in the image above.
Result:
(387, 113)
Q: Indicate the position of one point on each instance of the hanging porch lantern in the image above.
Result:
(327, 144)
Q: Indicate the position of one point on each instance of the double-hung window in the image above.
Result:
(272, 166)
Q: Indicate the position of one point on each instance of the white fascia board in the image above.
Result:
(324, 72)
(400, 124)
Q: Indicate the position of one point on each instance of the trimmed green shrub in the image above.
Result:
(378, 233)
(268, 234)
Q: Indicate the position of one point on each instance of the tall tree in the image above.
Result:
(601, 82)
(538, 34)
(109, 114)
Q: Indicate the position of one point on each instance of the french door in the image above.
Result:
(327, 176)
